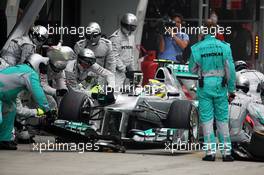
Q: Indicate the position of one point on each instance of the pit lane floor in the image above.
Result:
(133, 162)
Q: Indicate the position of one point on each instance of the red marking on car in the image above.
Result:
(250, 121)
(187, 93)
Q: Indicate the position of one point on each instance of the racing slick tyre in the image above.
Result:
(75, 106)
(256, 144)
(179, 115)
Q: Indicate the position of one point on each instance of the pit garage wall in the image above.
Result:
(260, 32)
(11, 14)
(109, 12)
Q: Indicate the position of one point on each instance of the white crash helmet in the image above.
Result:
(86, 56)
(242, 83)
(37, 62)
(59, 56)
(240, 65)
(93, 33)
(58, 66)
(128, 23)
(38, 34)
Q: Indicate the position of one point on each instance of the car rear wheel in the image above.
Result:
(256, 144)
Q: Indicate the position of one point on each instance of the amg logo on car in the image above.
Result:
(212, 54)
(126, 47)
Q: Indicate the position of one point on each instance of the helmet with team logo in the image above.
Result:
(156, 88)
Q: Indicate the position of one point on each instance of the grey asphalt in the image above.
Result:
(134, 162)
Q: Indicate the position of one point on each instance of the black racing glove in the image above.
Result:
(107, 97)
(110, 98)
(61, 92)
(129, 74)
(231, 97)
(43, 69)
(260, 87)
(48, 119)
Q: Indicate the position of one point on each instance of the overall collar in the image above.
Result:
(209, 36)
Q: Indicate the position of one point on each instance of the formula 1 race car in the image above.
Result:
(145, 120)
(134, 118)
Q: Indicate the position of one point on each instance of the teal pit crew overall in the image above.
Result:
(13, 80)
(212, 60)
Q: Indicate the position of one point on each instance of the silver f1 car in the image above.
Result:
(133, 118)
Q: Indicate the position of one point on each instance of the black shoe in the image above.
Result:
(26, 141)
(209, 158)
(228, 158)
(7, 145)
(13, 143)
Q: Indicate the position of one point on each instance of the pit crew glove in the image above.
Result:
(231, 97)
(48, 119)
(129, 74)
(40, 112)
(110, 98)
(49, 114)
(260, 87)
(95, 90)
(106, 98)
(61, 92)
(43, 69)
